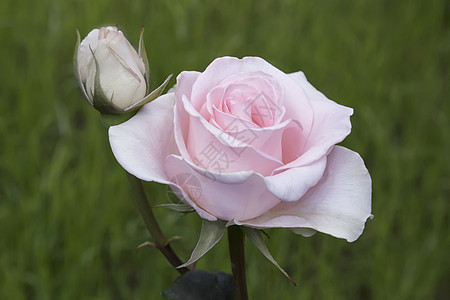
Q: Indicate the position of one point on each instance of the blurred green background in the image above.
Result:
(68, 229)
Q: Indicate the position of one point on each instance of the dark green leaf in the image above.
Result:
(210, 234)
(254, 235)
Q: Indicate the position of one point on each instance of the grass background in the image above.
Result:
(68, 229)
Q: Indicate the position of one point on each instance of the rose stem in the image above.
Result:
(160, 240)
(237, 257)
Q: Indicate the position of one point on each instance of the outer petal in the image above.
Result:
(309, 89)
(331, 124)
(185, 80)
(338, 205)
(292, 184)
(142, 144)
(239, 195)
(116, 80)
(84, 55)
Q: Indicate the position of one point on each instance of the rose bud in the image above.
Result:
(113, 77)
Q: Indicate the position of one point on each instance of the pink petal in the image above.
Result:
(142, 144)
(84, 54)
(185, 80)
(214, 150)
(226, 121)
(331, 124)
(240, 195)
(292, 184)
(294, 101)
(121, 47)
(338, 205)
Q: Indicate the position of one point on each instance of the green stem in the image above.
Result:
(237, 257)
(160, 240)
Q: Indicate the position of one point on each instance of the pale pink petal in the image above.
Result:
(266, 140)
(309, 89)
(338, 205)
(142, 144)
(291, 184)
(214, 150)
(121, 47)
(118, 84)
(227, 122)
(185, 80)
(266, 95)
(84, 54)
(331, 124)
(240, 196)
(295, 101)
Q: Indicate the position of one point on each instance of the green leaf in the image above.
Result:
(178, 207)
(210, 234)
(150, 97)
(201, 285)
(143, 55)
(254, 235)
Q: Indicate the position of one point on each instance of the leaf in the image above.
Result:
(254, 235)
(201, 285)
(178, 207)
(210, 234)
(143, 55)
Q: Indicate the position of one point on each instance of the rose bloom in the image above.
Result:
(121, 69)
(246, 143)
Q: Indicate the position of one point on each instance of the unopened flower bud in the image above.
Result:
(112, 75)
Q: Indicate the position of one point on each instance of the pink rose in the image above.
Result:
(249, 144)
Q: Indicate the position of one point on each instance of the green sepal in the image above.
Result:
(76, 70)
(150, 97)
(143, 55)
(210, 234)
(109, 120)
(255, 236)
(178, 207)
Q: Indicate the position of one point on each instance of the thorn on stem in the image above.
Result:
(146, 244)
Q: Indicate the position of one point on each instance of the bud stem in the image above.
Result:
(237, 257)
(160, 240)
